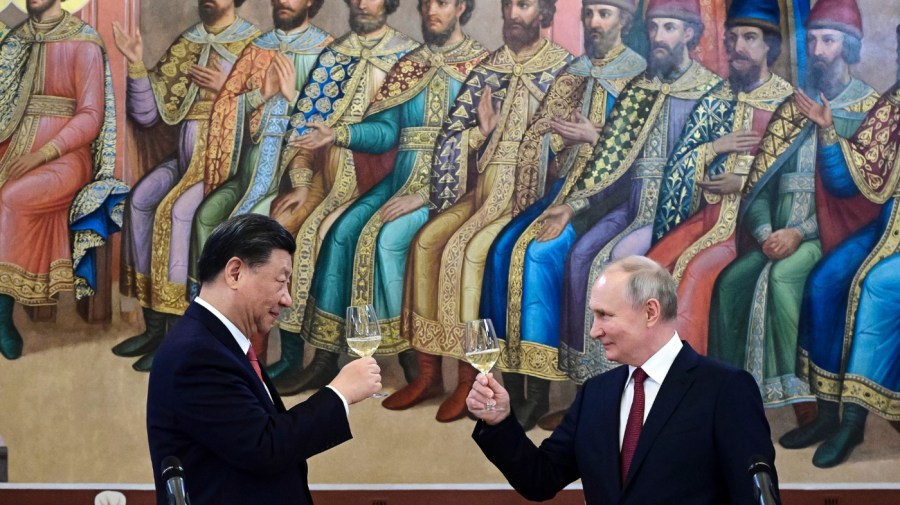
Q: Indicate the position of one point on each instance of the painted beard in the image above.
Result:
(440, 38)
(744, 79)
(362, 23)
(665, 66)
(35, 11)
(824, 76)
(291, 21)
(209, 12)
(517, 36)
(598, 43)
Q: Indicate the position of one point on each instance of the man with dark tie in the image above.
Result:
(669, 426)
(210, 403)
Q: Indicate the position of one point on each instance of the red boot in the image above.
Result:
(428, 384)
(454, 407)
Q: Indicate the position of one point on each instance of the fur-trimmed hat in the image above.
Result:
(840, 15)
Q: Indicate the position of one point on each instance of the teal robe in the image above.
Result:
(362, 259)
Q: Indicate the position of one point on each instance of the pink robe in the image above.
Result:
(35, 255)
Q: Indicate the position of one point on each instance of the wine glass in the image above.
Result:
(482, 349)
(363, 333)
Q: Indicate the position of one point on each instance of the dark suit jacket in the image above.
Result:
(696, 445)
(206, 406)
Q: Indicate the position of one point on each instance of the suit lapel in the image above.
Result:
(675, 385)
(218, 330)
(607, 429)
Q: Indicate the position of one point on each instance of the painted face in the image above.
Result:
(37, 7)
(668, 39)
(265, 291)
(824, 46)
(747, 53)
(289, 14)
(618, 326)
(521, 22)
(367, 16)
(440, 19)
(825, 65)
(211, 11)
(602, 28)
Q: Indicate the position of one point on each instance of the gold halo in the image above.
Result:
(72, 6)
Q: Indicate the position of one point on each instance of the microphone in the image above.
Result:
(173, 474)
(763, 487)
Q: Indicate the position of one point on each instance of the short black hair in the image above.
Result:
(470, 7)
(389, 6)
(773, 40)
(250, 237)
(314, 8)
(238, 3)
(547, 10)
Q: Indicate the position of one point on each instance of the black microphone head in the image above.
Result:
(171, 467)
(758, 464)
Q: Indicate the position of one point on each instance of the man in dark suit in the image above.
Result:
(669, 427)
(212, 406)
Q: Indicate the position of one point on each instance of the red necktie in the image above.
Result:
(635, 421)
(251, 354)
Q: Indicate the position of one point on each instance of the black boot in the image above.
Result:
(146, 361)
(822, 427)
(410, 364)
(291, 355)
(837, 448)
(514, 383)
(10, 339)
(537, 403)
(148, 341)
(321, 370)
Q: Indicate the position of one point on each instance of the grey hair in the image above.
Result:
(648, 280)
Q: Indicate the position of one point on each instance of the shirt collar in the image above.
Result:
(657, 367)
(238, 335)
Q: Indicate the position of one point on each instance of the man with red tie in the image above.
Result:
(670, 426)
(211, 405)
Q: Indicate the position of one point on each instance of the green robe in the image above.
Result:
(756, 329)
(254, 165)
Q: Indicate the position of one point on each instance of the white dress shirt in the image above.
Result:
(657, 367)
(244, 343)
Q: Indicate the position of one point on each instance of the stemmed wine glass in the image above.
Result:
(363, 333)
(482, 349)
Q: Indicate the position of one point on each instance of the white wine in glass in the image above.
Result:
(482, 348)
(363, 333)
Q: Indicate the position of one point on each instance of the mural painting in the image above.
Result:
(492, 175)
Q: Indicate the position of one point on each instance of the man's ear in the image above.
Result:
(233, 270)
(652, 311)
(688, 35)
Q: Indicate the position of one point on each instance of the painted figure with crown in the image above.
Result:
(325, 176)
(363, 256)
(614, 198)
(788, 215)
(473, 177)
(249, 119)
(849, 339)
(694, 228)
(58, 197)
(560, 140)
(179, 91)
